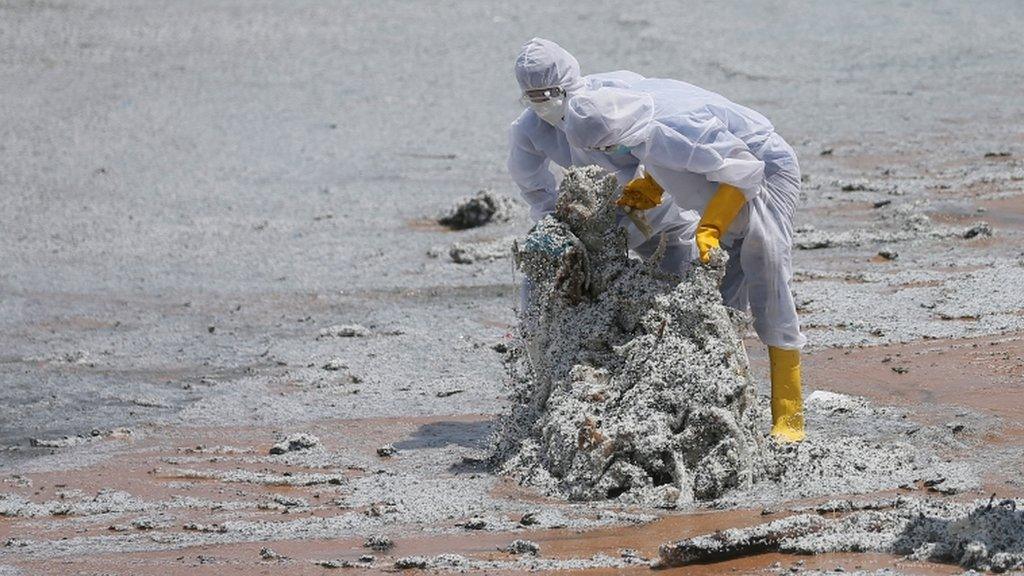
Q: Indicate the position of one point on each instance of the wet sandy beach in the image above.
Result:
(196, 198)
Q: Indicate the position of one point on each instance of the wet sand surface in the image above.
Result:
(150, 469)
(194, 196)
(983, 374)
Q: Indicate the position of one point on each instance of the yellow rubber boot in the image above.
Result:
(718, 216)
(787, 402)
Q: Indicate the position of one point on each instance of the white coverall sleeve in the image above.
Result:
(626, 174)
(529, 169)
(713, 152)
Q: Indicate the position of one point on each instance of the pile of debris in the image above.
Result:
(628, 383)
(475, 211)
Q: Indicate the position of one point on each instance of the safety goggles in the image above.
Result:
(541, 95)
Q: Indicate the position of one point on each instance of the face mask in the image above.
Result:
(551, 111)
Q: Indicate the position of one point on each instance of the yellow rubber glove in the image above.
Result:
(641, 194)
(787, 401)
(719, 214)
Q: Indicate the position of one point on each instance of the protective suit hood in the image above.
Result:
(543, 64)
(607, 117)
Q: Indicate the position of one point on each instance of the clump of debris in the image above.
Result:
(485, 251)
(295, 442)
(979, 535)
(628, 383)
(475, 211)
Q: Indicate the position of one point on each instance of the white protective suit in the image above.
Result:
(534, 144)
(689, 140)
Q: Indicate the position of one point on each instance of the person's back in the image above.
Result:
(682, 106)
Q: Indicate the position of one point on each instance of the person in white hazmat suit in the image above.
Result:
(726, 162)
(548, 76)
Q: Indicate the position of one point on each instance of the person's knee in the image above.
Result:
(779, 334)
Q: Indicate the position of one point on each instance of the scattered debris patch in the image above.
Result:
(475, 523)
(332, 564)
(447, 393)
(212, 528)
(983, 229)
(478, 210)
(295, 442)
(379, 543)
(484, 251)
(410, 562)
(523, 547)
(69, 441)
(902, 223)
(981, 535)
(522, 563)
(63, 442)
(335, 364)
(269, 554)
(240, 476)
(344, 331)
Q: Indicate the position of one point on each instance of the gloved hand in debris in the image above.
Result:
(640, 194)
(719, 214)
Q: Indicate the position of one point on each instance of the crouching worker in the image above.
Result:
(726, 162)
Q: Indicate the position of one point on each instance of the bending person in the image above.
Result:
(726, 162)
(548, 76)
